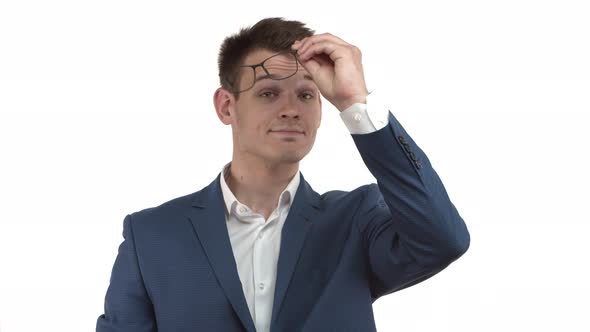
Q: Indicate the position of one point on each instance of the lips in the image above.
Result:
(291, 130)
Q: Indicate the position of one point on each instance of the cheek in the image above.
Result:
(260, 124)
(315, 117)
(245, 127)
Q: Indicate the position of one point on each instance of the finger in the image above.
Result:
(313, 64)
(324, 37)
(305, 43)
(334, 51)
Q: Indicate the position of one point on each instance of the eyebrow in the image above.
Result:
(307, 77)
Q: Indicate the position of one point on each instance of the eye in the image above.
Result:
(267, 93)
(307, 95)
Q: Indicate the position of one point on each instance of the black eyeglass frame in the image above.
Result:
(261, 64)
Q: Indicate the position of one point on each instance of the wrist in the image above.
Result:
(362, 99)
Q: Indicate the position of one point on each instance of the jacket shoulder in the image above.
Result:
(164, 213)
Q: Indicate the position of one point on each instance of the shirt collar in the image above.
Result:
(286, 198)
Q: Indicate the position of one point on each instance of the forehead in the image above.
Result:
(277, 63)
(257, 56)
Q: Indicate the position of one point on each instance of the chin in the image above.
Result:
(289, 157)
(280, 154)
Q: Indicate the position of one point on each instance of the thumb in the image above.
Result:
(311, 65)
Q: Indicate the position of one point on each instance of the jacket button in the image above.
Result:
(413, 156)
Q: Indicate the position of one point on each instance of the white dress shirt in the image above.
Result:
(256, 242)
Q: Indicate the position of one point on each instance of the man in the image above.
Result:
(258, 249)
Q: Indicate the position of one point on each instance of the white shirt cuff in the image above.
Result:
(366, 118)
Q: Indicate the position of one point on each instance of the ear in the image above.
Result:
(224, 102)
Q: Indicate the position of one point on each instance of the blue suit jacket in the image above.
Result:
(340, 251)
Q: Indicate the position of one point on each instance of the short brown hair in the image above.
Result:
(275, 34)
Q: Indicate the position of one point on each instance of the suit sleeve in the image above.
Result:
(127, 305)
(410, 228)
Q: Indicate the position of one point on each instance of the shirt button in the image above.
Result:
(357, 117)
(242, 209)
(261, 286)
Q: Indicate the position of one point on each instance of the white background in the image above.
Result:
(106, 109)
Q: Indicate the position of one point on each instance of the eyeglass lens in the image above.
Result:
(277, 67)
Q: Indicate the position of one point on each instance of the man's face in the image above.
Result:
(276, 120)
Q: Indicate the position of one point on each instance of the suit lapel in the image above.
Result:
(301, 215)
(208, 218)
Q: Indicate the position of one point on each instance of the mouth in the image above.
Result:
(288, 132)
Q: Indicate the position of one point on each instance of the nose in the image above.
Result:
(290, 107)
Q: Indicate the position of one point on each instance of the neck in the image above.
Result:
(258, 184)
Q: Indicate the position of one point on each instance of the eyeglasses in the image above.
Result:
(279, 66)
